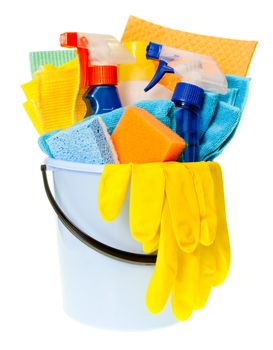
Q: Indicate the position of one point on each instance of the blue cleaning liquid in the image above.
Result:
(101, 99)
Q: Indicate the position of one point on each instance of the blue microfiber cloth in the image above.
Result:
(222, 126)
(84, 143)
(163, 110)
(220, 131)
(230, 97)
(236, 96)
(242, 86)
(207, 112)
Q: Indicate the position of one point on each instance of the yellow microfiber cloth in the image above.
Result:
(232, 56)
(54, 100)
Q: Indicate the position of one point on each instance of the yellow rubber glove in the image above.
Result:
(185, 201)
(221, 246)
(165, 272)
(186, 284)
(193, 248)
(207, 270)
(147, 195)
(183, 205)
(199, 269)
(204, 187)
(177, 266)
(113, 187)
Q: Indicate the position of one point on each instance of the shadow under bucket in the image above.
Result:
(105, 273)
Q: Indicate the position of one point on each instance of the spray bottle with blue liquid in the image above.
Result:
(199, 73)
(98, 56)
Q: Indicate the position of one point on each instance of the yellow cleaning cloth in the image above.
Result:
(32, 104)
(232, 56)
(54, 100)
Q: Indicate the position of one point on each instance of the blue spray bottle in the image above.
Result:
(199, 73)
(98, 56)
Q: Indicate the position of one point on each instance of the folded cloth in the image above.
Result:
(216, 131)
(230, 96)
(207, 112)
(88, 143)
(242, 86)
(220, 131)
(52, 96)
(163, 110)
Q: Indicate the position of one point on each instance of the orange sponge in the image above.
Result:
(140, 138)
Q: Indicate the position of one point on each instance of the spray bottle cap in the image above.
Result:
(188, 93)
(98, 55)
(193, 68)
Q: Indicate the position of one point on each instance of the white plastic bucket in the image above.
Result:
(97, 289)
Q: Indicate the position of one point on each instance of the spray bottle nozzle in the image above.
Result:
(96, 50)
(195, 69)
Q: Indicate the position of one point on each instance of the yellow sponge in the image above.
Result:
(141, 138)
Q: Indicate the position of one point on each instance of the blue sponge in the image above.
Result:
(83, 142)
(163, 110)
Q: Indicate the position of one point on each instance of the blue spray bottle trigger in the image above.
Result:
(161, 70)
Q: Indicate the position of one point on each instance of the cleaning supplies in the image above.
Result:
(163, 110)
(52, 95)
(91, 144)
(193, 246)
(232, 56)
(98, 57)
(199, 73)
(134, 77)
(140, 138)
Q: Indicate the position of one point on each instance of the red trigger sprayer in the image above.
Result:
(98, 56)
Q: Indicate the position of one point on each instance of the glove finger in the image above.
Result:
(113, 187)
(221, 246)
(147, 195)
(186, 284)
(152, 245)
(204, 186)
(207, 273)
(202, 295)
(164, 274)
(183, 204)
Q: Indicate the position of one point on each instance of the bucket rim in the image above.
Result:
(56, 164)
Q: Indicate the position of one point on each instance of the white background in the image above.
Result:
(239, 313)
